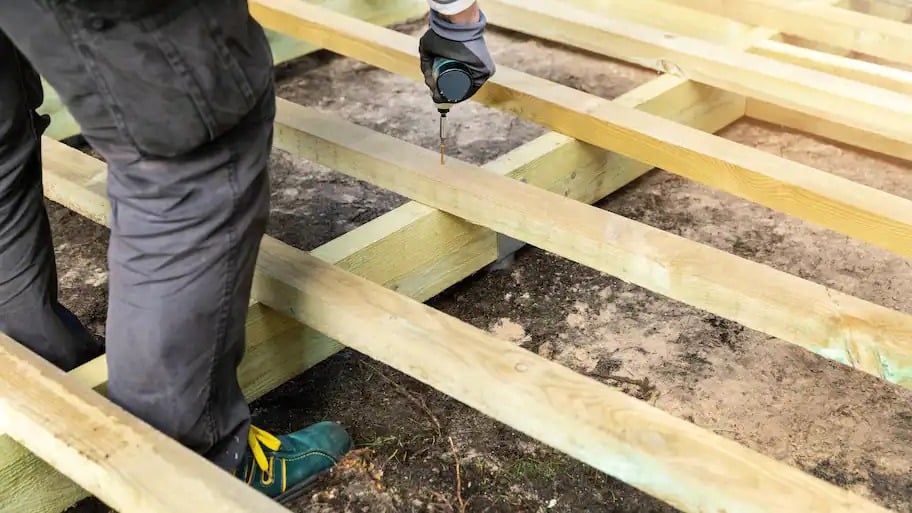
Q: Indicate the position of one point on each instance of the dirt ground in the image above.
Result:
(842, 426)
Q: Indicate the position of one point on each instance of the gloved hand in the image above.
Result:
(461, 42)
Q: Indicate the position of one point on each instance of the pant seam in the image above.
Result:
(225, 301)
(194, 90)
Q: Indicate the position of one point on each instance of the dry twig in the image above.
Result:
(458, 478)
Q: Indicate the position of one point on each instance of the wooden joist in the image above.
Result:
(846, 207)
(129, 465)
(866, 336)
(670, 459)
(896, 10)
(866, 72)
(682, 464)
(278, 349)
(827, 24)
(828, 95)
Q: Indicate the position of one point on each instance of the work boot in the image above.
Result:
(283, 467)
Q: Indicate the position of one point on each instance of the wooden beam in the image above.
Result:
(878, 75)
(788, 118)
(123, 461)
(685, 21)
(846, 207)
(278, 349)
(896, 10)
(812, 92)
(688, 467)
(875, 74)
(669, 18)
(842, 28)
(863, 335)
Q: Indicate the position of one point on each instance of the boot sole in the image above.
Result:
(299, 489)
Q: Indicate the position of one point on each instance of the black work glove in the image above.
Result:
(461, 42)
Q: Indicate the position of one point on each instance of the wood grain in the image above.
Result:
(813, 92)
(686, 466)
(129, 465)
(846, 207)
(831, 25)
(866, 336)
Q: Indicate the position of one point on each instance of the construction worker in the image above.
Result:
(178, 97)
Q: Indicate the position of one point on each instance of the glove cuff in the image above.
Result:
(462, 32)
(450, 7)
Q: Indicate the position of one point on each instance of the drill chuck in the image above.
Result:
(453, 80)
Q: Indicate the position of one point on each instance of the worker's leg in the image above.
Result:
(179, 103)
(178, 97)
(29, 310)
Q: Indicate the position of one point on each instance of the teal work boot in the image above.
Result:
(282, 467)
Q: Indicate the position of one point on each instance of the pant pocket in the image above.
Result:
(175, 78)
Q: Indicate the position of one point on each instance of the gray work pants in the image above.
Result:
(178, 97)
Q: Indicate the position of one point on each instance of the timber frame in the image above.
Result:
(64, 441)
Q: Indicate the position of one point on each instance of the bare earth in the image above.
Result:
(842, 426)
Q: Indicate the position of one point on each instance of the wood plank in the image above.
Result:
(128, 464)
(444, 250)
(278, 349)
(846, 207)
(686, 466)
(670, 18)
(682, 20)
(863, 335)
(775, 114)
(897, 10)
(898, 80)
(812, 92)
(878, 75)
(835, 26)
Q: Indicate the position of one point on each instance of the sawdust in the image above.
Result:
(506, 329)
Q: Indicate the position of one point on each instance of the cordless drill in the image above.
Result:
(453, 81)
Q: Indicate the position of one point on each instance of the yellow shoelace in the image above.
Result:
(257, 438)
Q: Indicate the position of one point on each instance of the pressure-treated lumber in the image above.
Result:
(673, 460)
(896, 10)
(675, 19)
(278, 349)
(129, 465)
(868, 337)
(838, 27)
(669, 18)
(443, 250)
(878, 75)
(841, 205)
(805, 90)
(881, 76)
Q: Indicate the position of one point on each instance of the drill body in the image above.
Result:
(453, 82)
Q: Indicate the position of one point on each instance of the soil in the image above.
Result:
(843, 426)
